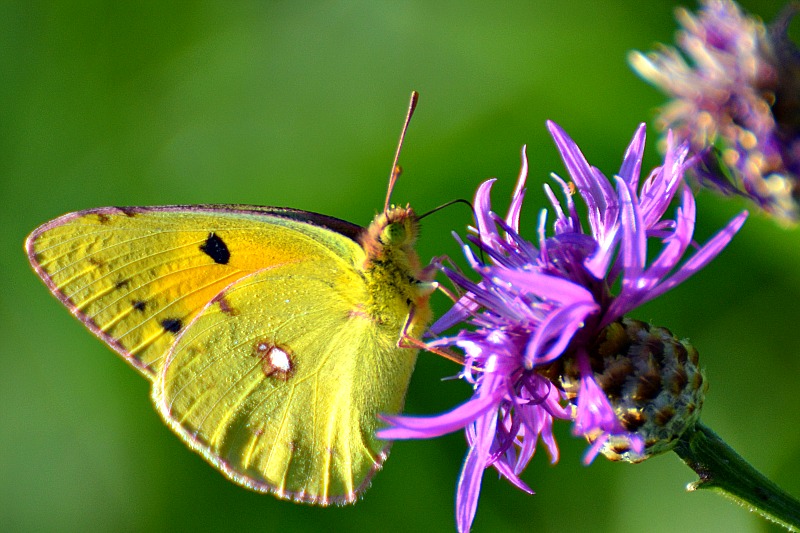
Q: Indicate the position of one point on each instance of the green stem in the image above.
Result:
(723, 471)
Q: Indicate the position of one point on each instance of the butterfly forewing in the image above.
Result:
(137, 276)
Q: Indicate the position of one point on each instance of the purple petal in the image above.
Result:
(507, 472)
(469, 484)
(594, 412)
(597, 264)
(597, 193)
(677, 243)
(556, 331)
(528, 446)
(702, 257)
(546, 287)
(675, 246)
(569, 221)
(594, 449)
(662, 184)
(549, 440)
(632, 162)
(634, 238)
(461, 310)
(426, 427)
(469, 487)
(512, 218)
(483, 208)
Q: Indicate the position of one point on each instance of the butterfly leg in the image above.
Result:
(429, 272)
(408, 341)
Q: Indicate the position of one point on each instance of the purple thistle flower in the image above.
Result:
(736, 101)
(537, 312)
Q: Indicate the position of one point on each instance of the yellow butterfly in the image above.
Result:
(272, 336)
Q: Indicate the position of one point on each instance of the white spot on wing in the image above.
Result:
(276, 361)
(279, 359)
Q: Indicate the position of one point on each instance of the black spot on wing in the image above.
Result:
(173, 325)
(216, 249)
(139, 305)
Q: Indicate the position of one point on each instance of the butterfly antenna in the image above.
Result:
(458, 201)
(396, 169)
(448, 204)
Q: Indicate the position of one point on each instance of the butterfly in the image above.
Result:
(272, 337)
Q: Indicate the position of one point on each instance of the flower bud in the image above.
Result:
(652, 380)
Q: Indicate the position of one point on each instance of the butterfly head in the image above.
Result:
(394, 230)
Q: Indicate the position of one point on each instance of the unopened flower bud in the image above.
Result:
(652, 380)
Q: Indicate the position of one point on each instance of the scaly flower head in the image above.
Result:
(547, 339)
(735, 100)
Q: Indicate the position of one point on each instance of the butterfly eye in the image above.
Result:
(394, 234)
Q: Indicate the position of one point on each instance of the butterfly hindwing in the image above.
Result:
(137, 276)
(278, 381)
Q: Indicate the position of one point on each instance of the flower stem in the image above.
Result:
(725, 472)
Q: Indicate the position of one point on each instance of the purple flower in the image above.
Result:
(736, 101)
(536, 313)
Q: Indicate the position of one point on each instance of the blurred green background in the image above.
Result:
(300, 104)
